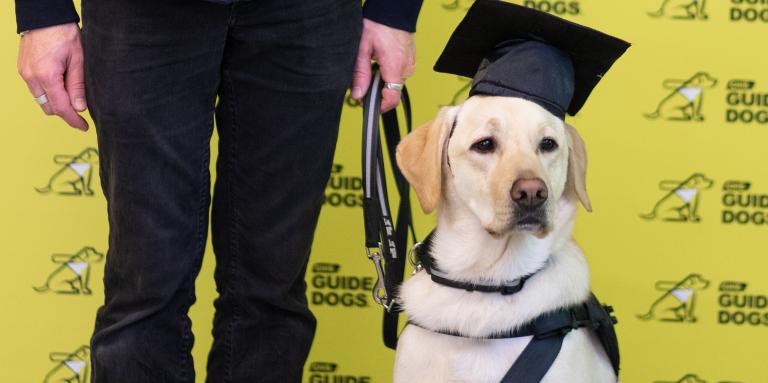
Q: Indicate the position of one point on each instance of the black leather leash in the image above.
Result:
(385, 243)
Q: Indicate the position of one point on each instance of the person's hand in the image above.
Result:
(393, 50)
(51, 63)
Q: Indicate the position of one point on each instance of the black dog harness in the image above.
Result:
(548, 330)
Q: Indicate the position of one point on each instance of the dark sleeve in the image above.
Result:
(31, 14)
(400, 14)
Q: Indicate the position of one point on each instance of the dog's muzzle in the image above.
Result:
(529, 196)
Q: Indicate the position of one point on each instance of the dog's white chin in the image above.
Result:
(539, 230)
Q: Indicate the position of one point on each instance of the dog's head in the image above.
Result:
(506, 160)
(91, 254)
(694, 282)
(699, 181)
(692, 378)
(702, 80)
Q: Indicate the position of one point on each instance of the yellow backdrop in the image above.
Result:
(677, 137)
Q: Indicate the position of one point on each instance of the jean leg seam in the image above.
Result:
(199, 251)
(231, 232)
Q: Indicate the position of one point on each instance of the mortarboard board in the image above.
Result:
(515, 51)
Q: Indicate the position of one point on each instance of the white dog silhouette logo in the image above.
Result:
(73, 274)
(677, 301)
(691, 378)
(74, 176)
(680, 203)
(685, 99)
(71, 367)
(451, 5)
(682, 9)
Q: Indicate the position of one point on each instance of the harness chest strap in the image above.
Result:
(548, 330)
(548, 325)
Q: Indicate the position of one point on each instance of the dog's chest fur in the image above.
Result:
(425, 356)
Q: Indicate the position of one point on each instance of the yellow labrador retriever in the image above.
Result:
(504, 175)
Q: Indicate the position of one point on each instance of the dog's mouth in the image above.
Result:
(530, 220)
(533, 221)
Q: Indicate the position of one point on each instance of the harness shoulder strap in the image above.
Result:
(605, 331)
(537, 358)
(535, 361)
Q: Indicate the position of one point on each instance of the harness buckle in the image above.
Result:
(413, 258)
(609, 310)
(379, 291)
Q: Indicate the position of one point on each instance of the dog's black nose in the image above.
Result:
(529, 193)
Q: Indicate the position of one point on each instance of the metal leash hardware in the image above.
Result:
(379, 291)
(414, 260)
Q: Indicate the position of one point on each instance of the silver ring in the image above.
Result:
(42, 100)
(394, 86)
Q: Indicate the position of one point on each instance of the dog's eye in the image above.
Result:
(485, 145)
(547, 145)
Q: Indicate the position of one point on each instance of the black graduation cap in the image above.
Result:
(515, 51)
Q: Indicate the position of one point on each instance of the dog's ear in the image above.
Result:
(577, 167)
(420, 154)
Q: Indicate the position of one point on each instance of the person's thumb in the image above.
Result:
(74, 81)
(362, 76)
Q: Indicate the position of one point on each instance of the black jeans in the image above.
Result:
(154, 70)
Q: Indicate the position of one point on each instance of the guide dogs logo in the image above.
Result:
(556, 7)
(327, 372)
(452, 5)
(742, 205)
(343, 190)
(738, 307)
(73, 177)
(685, 99)
(71, 367)
(677, 302)
(330, 288)
(682, 9)
(681, 201)
(745, 104)
(740, 10)
(73, 272)
(691, 378)
(749, 10)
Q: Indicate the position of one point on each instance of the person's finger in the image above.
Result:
(390, 98)
(75, 81)
(390, 72)
(61, 104)
(33, 84)
(361, 78)
(37, 90)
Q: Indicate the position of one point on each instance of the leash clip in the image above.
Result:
(380, 294)
(413, 258)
